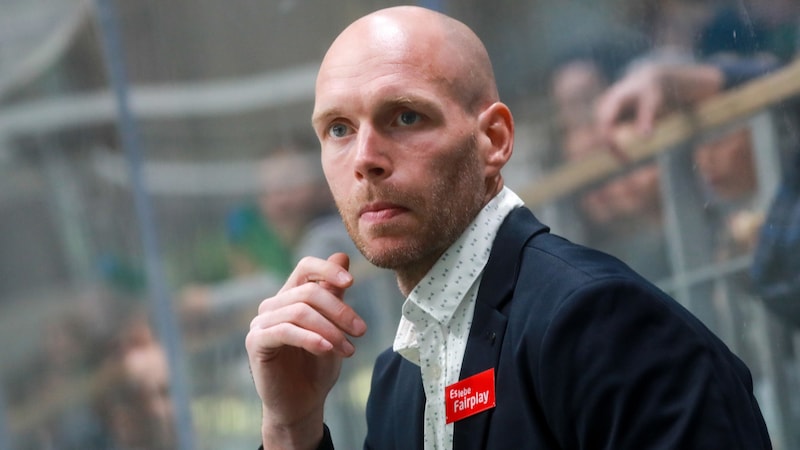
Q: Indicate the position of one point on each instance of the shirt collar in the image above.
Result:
(445, 286)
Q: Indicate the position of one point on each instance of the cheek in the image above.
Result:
(332, 176)
(341, 195)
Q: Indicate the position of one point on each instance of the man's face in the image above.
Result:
(726, 165)
(148, 370)
(398, 150)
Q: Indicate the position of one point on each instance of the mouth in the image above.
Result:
(381, 211)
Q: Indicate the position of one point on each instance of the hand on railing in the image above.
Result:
(669, 126)
(649, 92)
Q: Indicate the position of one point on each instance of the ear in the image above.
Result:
(497, 126)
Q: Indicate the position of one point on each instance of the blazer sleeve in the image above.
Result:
(623, 366)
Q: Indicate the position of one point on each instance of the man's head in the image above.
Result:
(412, 132)
(133, 394)
(292, 191)
(726, 164)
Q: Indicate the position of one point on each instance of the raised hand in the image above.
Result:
(296, 344)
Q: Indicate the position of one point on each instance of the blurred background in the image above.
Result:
(159, 178)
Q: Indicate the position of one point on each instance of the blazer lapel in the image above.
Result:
(489, 320)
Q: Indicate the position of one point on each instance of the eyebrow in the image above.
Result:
(389, 103)
(324, 116)
(413, 101)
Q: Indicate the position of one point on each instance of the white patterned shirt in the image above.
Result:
(437, 314)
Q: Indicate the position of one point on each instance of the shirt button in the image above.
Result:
(436, 371)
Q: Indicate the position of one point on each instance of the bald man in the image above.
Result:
(511, 337)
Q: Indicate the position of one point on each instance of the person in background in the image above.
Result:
(133, 394)
(726, 166)
(769, 35)
(764, 40)
(510, 335)
(734, 46)
(621, 216)
(262, 234)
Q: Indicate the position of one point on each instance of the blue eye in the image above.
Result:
(408, 118)
(337, 130)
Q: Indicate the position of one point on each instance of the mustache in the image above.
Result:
(381, 194)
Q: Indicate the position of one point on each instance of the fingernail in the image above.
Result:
(344, 277)
(348, 348)
(358, 326)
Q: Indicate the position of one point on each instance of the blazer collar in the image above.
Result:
(500, 274)
(489, 320)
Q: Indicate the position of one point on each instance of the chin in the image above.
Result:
(387, 259)
(391, 256)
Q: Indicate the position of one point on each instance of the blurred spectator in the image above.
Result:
(737, 46)
(133, 394)
(621, 216)
(47, 384)
(262, 233)
(726, 166)
(766, 28)
(734, 46)
(775, 271)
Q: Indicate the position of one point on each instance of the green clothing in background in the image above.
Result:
(252, 236)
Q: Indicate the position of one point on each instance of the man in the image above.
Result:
(511, 337)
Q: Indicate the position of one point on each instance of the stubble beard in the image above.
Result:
(446, 208)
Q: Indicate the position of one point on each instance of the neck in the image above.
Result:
(409, 277)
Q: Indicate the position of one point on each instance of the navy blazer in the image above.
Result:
(587, 355)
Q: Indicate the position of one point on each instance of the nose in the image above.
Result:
(372, 161)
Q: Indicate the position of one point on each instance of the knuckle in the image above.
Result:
(251, 340)
(307, 290)
(306, 261)
(299, 311)
(264, 305)
(341, 310)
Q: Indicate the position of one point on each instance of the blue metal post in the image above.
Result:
(162, 311)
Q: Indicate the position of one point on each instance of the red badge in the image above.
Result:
(469, 396)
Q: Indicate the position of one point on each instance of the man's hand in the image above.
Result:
(296, 344)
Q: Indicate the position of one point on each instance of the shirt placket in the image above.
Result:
(433, 359)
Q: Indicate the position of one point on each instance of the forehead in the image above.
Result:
(378, 82)
(391, 64)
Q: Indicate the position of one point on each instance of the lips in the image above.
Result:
(380, 211)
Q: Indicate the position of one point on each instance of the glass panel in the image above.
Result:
(220, 100)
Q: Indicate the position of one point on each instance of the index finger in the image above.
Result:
(330, 273)
(611, 107)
